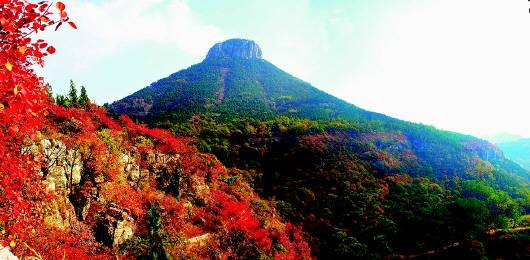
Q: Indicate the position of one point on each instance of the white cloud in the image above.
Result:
(460, 65)
(126, 36)
(107, 26)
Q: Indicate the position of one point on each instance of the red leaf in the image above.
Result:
(60, 6)
(13, 130)
(43, 7)
(72, 24)
(3, 22)
(30, 7)
(44, 19)
(51, 50)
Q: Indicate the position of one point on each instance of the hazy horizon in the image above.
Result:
(457, 65)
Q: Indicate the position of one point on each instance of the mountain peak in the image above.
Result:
(235, 48)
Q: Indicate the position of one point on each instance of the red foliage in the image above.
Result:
(292, 240)
(78, 243)
(168, 143)
(22, 102)
(105, 119)
(238, 216)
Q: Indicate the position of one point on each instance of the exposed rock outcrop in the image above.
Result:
(64, 173)
(62, 166)
(115, 227)
(62, 213)
(5, 254)
(199, 240)
(235, 48)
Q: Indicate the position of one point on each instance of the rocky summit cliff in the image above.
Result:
(235, 48)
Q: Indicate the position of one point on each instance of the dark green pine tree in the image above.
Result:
(62, 101)
(72, 95)
(83, 97)
(49, 91)
(156, 237)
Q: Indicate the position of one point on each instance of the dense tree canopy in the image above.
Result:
(365, 191)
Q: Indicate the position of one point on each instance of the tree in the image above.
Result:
(50, 91)
(83, 97)
(72, 94)
(62, 101)
(152, 246)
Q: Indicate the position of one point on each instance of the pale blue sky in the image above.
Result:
(460, 65)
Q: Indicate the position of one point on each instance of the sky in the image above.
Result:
(460, 65)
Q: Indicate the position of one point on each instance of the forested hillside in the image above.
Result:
(362, 184)
(369, 193)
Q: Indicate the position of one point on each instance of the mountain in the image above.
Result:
(362, 184)
(234, 81)
(518, 151)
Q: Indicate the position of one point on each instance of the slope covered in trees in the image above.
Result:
(370, 193)
(119, 188)
(362, 184)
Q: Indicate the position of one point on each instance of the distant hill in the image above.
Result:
(518, 151)
(364, 185)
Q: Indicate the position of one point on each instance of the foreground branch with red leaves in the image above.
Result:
(22, 106)
(77, 184)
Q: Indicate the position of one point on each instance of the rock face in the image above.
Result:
(62, 166)
(116, 227)
(235, 48)
(65, 175)
(5, 254)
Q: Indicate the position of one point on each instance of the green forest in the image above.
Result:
(362, 192)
